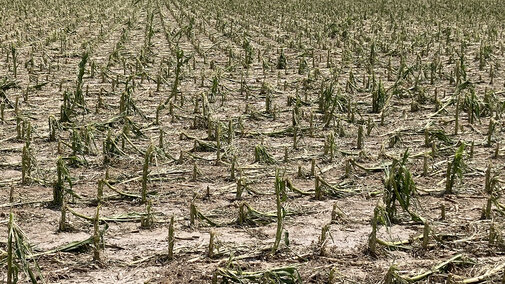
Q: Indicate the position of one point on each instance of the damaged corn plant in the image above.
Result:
(400, 189)
(20, 256)
(252, 141)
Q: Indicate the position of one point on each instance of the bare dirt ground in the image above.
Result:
(210, 78)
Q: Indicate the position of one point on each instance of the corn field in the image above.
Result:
(261, 141)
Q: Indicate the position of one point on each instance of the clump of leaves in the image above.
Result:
(28, 163)
(203, 146)
(303, 66)
(473, 106)
(110, 148)
(248, 53)
(455, 169)
(395, 139)
(181, 61)
(262, 156)
(77, 143)
(196, 216)
(250, 216)
(78, 96)
(440, 135)
(332, 30)
(19, 255)
(214, 89)
(5, 85)
(329, 102)
(63, 183)
(282, 62)
(324, 188)
(399, 188)
(66, 109)
(379, 98)
(490, 104)
(127, 105)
